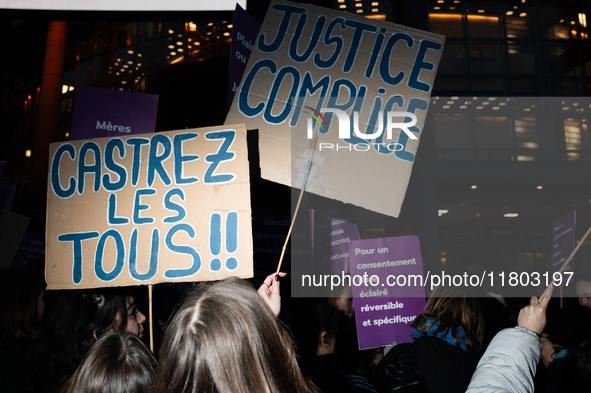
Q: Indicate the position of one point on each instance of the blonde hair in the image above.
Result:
(225, 338)
(450, 308)
(118, 362)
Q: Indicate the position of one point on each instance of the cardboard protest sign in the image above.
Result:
(310, 64)
(244, 33)
(163, 207)
(107, 113)
(388, 291)
(563, 243)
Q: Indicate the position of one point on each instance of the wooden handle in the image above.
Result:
(151, 317)
(570, 257)
(295, 213)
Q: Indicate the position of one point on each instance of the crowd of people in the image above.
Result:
(226, 336)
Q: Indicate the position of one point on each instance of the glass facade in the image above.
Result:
(380, 9)
(127, 56)
(504, 169)
(121, 55)
(513, 49)
(502, 178)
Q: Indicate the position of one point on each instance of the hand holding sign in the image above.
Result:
(533, 317)
(270, 292)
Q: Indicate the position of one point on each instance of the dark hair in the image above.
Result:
(117, 362)
(20, 289)
(582, 274)
(584, 360)
(225, 338)
(584, 351)
(76, 320)
(451, 307)
(567, 327)
(307, 320)
(339, 291)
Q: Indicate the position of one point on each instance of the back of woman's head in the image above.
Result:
(225, 338)
(452, 307)
(307, 320)
(117, 363)
(75, 320)
(21, 303)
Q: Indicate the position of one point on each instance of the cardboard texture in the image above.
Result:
(164, 207)
(308, 56)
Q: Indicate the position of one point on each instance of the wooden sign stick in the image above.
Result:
(295, 213)
(151, 317)
(570, 257)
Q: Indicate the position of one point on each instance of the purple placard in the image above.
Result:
(563, 242)
(244, 34)
(32, 246)
(384, 312)
(342, 233)
(108, 113)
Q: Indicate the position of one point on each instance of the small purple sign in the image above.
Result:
(388, 291)
(342, 233)
(32, 246)
(563, 242)
(244, 34)
(107, 113)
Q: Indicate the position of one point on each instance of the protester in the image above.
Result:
(448, 339)
(499, 310)
(76, 320)
(269, 291)
(313, 323)
(21, 312)
(584, 358)
(342, 299)
(399, 371)
(564, 332)
(227, 338)
(347, 350)
(583, 288)
(509, 364)
(117, 362)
